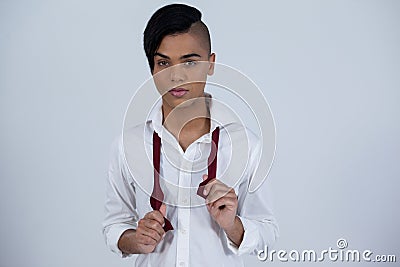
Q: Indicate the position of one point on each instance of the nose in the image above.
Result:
(177, 73)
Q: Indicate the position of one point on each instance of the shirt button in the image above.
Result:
(185, 201)
(181, 263)
(183, 231)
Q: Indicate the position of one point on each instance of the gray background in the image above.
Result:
(330, 70)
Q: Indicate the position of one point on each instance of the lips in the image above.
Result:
(178, 92)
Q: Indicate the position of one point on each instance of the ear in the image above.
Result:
(163, 209)
(211, 59)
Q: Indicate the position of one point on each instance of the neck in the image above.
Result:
(190, 119)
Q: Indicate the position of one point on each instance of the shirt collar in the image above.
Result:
(221, 116)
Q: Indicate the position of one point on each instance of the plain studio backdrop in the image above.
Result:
(329, 69)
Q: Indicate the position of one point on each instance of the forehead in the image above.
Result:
(181, 44)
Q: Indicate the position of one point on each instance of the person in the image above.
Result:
(178, 227)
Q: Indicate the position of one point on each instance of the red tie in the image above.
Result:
(157, 196)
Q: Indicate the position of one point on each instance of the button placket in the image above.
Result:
(184, 209)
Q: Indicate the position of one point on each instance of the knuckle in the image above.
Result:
(146, 239)
(159, 215)
(141, 239)
(154, 233)
(154, 225)
(150, 240)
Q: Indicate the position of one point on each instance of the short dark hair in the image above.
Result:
(171, 19)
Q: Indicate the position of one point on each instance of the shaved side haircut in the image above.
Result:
(170, 20)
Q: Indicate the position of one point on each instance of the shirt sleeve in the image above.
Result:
(120, 205)
(255, 213)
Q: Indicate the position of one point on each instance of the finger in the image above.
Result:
(208, 207)
(151, 228)
(145, 240)
(146, 236)
(209, 185)
(225, 202)
(163, 210)
(217, 191)
(156, 226)
(221, 195)
(155, 215)
(205, 177)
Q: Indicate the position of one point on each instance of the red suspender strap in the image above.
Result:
(157, 195)
(212, 162)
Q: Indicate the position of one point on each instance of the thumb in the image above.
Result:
(163, 209)
(205, 176)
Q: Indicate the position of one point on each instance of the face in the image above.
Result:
(181, 66)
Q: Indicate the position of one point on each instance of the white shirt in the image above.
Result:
(197, 240)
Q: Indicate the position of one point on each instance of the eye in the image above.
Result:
(162, 63)
(190, 63)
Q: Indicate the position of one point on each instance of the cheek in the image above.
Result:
(198, 88)
(162, 81)
(198, 80)
(200, 73)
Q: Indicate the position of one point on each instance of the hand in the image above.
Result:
(222, 203)
(150, 231)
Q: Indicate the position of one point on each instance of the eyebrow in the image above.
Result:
(182, 57)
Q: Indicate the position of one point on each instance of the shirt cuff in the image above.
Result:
(113, 234)
(250, 238)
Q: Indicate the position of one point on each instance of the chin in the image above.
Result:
(178, 102)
